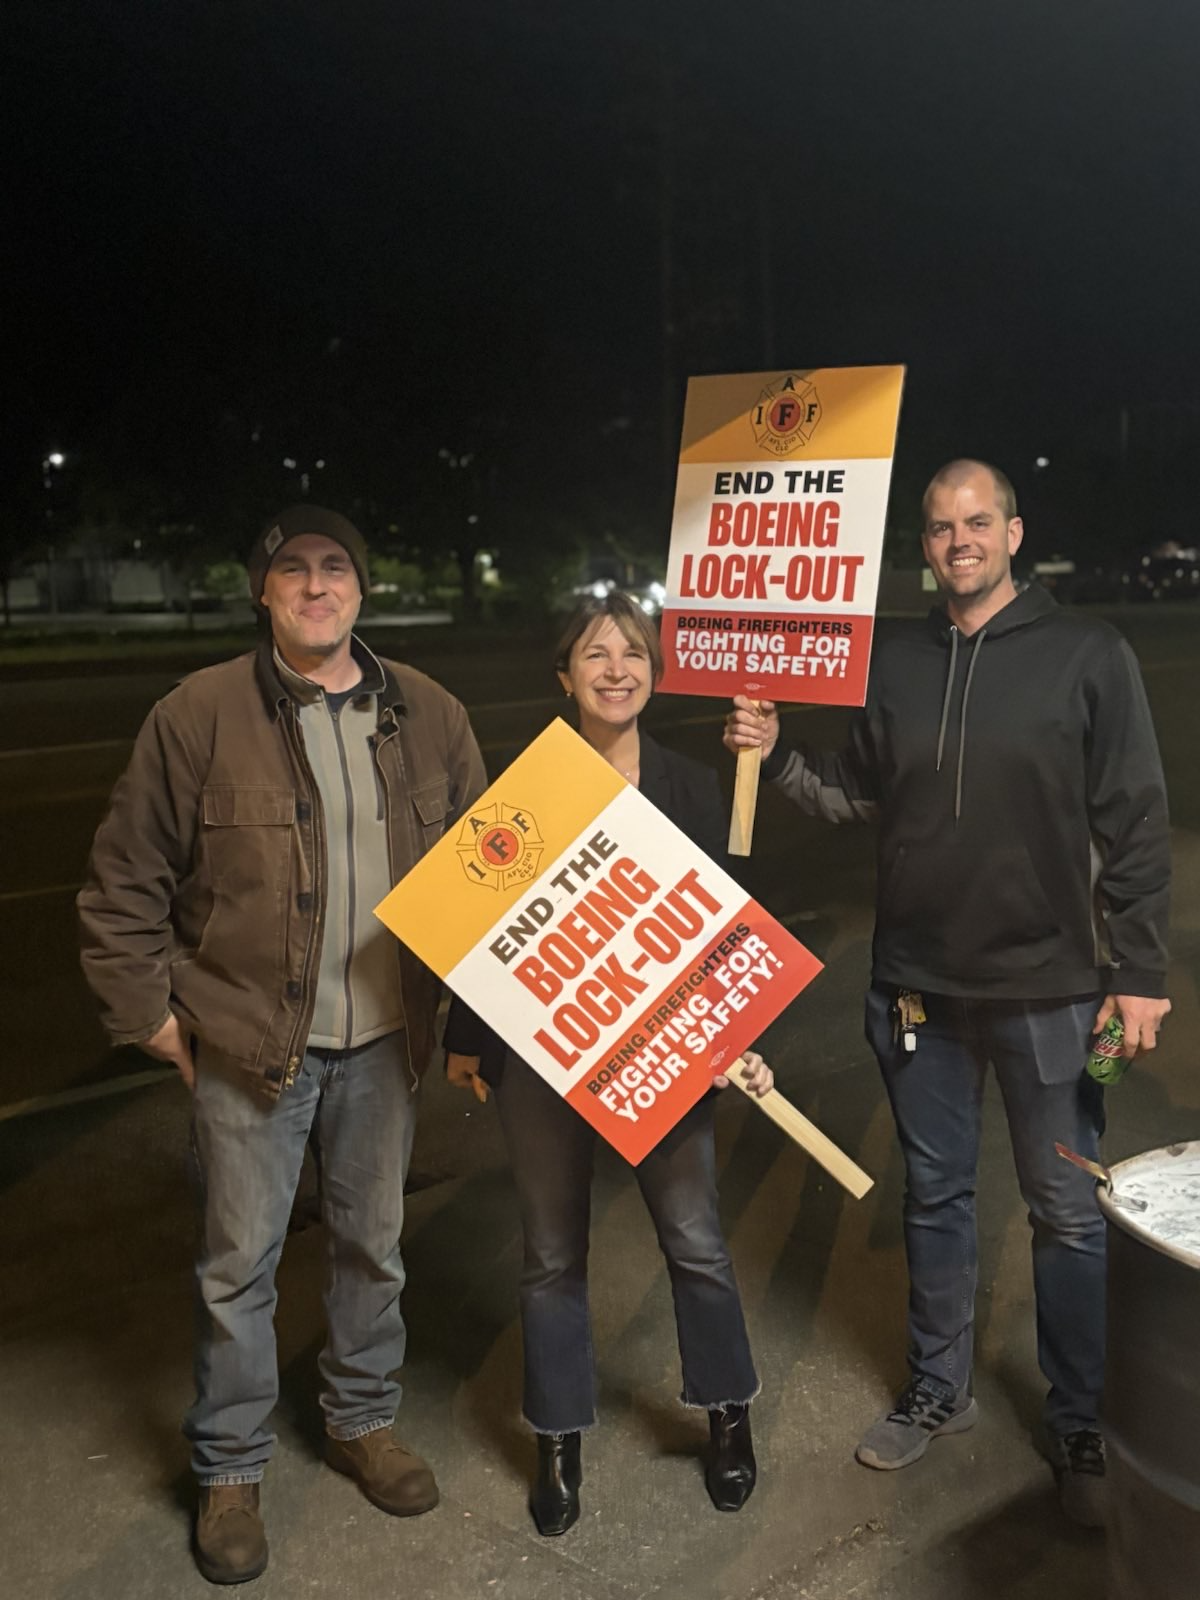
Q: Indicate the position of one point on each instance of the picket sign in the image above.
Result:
(601, 945)
(776, 541)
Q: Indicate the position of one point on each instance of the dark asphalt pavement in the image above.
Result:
(96, 1225)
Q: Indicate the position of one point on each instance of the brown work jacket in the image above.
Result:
(205, 893)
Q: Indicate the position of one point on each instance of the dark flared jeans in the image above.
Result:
(551, 1148)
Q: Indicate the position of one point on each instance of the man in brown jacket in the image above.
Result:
(227, 922)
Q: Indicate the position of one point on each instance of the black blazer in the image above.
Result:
(688, 793)
(685, 791)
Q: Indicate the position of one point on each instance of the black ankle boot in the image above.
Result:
(555, 1498)
(732, 1470)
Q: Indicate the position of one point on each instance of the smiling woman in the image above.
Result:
(608, 661)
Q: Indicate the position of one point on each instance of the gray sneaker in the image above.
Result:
(920, 1414)
(1079, 1465)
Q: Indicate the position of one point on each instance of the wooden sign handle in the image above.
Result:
(806, 1134)
(745, 800)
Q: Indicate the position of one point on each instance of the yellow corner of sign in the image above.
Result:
(796, 413)
(495, 851)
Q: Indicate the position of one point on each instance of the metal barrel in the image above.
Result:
(1151, 1411)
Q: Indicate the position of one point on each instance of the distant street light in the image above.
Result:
(53, 461)
(1041, 462)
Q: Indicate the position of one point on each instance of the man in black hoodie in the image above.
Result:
(1006, 751)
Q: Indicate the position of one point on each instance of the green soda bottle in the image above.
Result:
(1106, 1063)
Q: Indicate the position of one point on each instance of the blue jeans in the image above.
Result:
(356, 1107)
(1038, 1050)
(552, 1148)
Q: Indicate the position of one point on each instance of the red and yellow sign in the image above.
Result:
(594, 937)
(776, 537)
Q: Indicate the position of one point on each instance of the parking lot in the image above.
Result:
(95, 1217)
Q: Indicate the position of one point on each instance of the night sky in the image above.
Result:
(373, 227)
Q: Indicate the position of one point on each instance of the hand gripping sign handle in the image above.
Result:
(745, 799)
(806, 1134)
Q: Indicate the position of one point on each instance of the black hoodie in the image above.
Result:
(1014, 772)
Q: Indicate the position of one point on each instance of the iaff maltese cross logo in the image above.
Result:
(500, 846)
(786, 415)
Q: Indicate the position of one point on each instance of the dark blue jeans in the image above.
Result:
(552, 1148)
(1038, 1050)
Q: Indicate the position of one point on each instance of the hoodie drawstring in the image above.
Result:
(946, 697)
(962, 716)
(962, 722)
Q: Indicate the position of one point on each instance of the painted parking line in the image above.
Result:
(17, 803)
(89, 1091)
(11, 895)
(64, 749)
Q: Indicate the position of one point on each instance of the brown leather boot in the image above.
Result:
(391, 1477)
(230, 1543)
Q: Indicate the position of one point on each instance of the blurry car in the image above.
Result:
(1057, 574)
(649, 596)
(1073, 583)
(646, 590)
(1162, 578)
